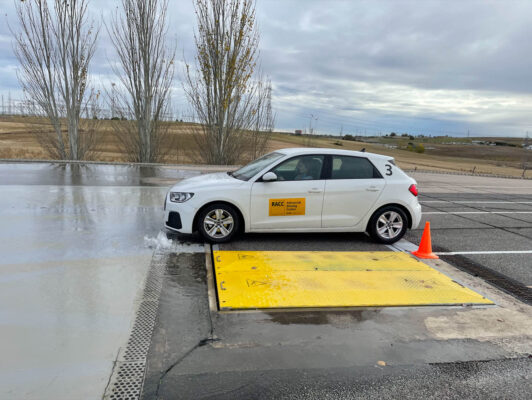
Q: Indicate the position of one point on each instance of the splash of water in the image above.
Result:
(159, 242)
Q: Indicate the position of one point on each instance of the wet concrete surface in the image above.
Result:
(98, 174)
(73, 259)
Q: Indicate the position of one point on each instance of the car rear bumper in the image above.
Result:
(416, 215)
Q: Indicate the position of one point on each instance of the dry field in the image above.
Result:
(17, 141)
(482, 159)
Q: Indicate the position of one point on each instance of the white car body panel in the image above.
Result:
(262, 192)
(334, 205)
(348, 201)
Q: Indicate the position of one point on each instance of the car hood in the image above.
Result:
(206, 181)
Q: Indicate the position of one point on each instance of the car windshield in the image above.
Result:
(247, 172)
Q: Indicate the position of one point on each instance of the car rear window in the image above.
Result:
(347, 167)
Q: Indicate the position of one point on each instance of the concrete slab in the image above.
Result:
(73, 261)
(98, 174)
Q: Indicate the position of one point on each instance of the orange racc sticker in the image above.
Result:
(283, 207)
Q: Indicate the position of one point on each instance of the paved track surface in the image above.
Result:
(77, 243)
(479, 214)
(429, 352)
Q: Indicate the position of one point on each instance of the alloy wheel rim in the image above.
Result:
(218, 223)
(389, 225)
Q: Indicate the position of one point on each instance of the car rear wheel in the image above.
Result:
(388, 225)
(218, 223)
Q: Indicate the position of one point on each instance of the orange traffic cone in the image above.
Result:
(425, 247)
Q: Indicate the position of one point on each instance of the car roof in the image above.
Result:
(315, 150)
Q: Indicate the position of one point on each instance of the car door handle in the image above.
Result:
(373, 189)
(315, 191)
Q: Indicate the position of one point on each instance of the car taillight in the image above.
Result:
(413, 189)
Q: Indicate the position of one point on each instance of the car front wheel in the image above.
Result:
(388, 225)
(218, 223)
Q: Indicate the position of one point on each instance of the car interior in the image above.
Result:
(300, 168)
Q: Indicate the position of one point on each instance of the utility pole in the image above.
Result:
(310, 129)
(311, 117)
(525, 155)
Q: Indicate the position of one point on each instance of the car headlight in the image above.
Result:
(180, 197)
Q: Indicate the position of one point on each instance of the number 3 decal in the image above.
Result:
(388, 169)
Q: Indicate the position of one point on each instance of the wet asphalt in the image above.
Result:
(75, 255)
(199, 353)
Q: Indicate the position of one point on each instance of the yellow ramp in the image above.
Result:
(292, 279)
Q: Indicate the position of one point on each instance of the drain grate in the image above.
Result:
(128, 373)
(128, 381)
(139, 342)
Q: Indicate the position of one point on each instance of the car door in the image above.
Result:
(352, 188)
(294, 200)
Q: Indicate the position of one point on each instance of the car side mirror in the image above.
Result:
(269, 177)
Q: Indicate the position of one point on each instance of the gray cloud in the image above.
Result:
(419, 66)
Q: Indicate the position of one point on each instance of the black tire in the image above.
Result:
(214, 216)
(387, 230)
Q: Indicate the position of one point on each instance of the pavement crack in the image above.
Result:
(201, 343)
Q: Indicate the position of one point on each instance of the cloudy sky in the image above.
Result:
(423, 67)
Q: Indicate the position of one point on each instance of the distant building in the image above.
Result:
(298, 131)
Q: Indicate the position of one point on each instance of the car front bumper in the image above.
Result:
(179, 217)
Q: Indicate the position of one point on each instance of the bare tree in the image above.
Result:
(264, 120)
(146, 73)
(55, 47)
(35, 50)
(221, 88)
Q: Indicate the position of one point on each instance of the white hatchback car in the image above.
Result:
(298, 190)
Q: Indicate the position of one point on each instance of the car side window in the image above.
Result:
(300, 168)
(346, 167)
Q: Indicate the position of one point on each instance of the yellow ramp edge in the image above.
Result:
(315, 260)
(291, 279)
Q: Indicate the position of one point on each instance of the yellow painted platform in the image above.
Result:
(292, 279)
